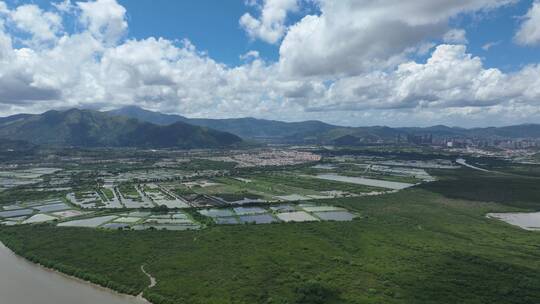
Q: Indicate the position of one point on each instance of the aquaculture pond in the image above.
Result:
(365, 181)
(528, 221)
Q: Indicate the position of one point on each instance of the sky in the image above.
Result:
(467, 63)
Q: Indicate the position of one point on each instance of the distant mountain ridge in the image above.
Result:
(136, 127)
(87, 128)
(249, 128)
(310, 131)
(320, 132)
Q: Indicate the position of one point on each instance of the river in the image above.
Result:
(22, 282)
(463, 162)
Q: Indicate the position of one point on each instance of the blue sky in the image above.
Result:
(213, 27)
(351, 62)
(498, 27)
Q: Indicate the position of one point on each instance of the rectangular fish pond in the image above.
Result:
(178, 220)
(307, 212)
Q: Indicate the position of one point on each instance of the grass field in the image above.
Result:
(108, 193)
(312, 183)
(231, 187)
(269, 185)
(415, 246)
(129, 191)
(257, 187)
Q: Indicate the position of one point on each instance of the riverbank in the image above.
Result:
(23, 272)
(153, 282)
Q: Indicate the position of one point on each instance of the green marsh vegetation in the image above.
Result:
(206, 164)
(509, 185)
(27, 194)
(427, 244)
(421, 245)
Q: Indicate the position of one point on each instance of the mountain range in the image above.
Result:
(311, 131)
(136, 127)
(320, 132)
(247, 128)
(87, 128)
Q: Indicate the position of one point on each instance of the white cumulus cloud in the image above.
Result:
(529, 31)
(42, 25)
(349, 65)
(105, 19)
(270, 26)
(353, 36)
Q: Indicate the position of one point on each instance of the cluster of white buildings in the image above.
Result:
(270, 158)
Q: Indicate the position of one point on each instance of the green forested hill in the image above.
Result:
(86, 128)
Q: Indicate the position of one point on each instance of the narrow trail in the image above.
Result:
(153, 283)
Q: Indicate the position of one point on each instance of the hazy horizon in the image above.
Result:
(291, 121)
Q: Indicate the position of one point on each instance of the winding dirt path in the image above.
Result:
(153, 283)
(153, 280)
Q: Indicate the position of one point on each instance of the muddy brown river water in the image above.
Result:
(22, 282)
